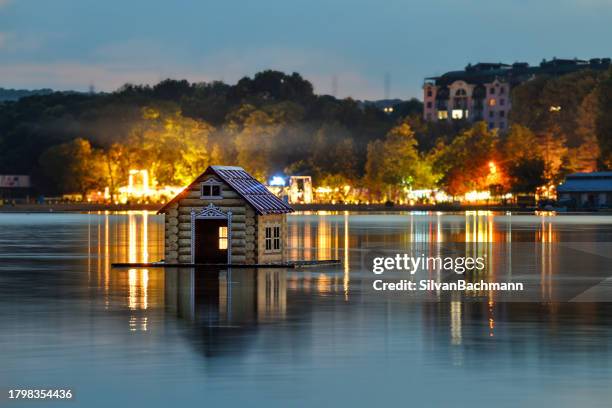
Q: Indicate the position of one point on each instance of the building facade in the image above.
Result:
(482, 92)
(586, 190)
(225, 217)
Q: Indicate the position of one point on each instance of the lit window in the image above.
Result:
(457, 114)
(492, 102)
(211, 189)
(273, 238)
(222, 237)
(442, 115)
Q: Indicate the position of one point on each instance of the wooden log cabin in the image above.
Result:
(225, 217)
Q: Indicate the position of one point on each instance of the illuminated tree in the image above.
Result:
(173, 148)
(396, 164)
(465, 162)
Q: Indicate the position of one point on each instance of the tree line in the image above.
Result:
(274, 123)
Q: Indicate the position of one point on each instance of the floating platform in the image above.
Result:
(289, 264)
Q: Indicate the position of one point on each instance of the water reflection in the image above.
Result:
(278, 334)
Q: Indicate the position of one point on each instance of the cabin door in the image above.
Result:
(211, 241)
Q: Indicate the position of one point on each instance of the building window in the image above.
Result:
(502, 102)
(492, 102)
(492, 91)
(429, 93)
(211, 189)
(502, 113)
(491, 114)
(429, 104)
(222, 237)
(491, 125)
(442, 115)
(457, 114)
(502, 90)
(502, 125)
(273, 238)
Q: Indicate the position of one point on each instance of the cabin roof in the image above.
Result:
(587, 183)
(254, 193)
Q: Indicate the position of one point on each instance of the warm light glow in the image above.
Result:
(457, 114)
(492, 167)
(477, 196)
(222, 237)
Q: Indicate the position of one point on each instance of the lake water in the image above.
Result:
(314, 337)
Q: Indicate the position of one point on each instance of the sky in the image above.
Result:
(72, 44)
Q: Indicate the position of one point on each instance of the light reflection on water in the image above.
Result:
(318, 336)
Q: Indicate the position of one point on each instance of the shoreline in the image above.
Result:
(85, 207)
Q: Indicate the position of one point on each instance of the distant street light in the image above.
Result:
(555, 108)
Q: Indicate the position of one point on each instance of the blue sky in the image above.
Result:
(69, 44)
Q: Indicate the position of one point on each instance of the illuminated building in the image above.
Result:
(482, 92)
(225, 216)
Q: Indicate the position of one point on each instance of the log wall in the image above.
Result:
(178, 224)
(270, 220)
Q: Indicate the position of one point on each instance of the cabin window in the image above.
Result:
(222, 237)
(211, 189)
(273, 238)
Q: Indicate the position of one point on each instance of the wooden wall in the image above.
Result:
(271, 257)
(178, 224)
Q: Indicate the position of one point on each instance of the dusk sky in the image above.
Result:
(70, 44)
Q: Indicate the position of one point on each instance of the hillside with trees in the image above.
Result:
(274, 123)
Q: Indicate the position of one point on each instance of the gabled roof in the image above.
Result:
(587, 183)
(254, 193)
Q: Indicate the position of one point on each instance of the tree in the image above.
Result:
(466, 162)
(333, 152)
(522, 160)
(173, 148)
(604, 120)
(73, 167)
(526, 175)
(396, 164)
(255, 143)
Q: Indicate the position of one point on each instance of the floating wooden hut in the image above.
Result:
(225, 217)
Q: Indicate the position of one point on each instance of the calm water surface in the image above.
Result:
(315, 337)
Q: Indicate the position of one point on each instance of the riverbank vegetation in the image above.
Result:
(274, 123)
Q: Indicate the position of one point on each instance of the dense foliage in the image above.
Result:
(274, 123)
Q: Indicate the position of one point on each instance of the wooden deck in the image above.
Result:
(289, 264)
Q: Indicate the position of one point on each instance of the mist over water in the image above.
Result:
(312, 337)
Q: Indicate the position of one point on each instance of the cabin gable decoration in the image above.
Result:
(225, 216)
